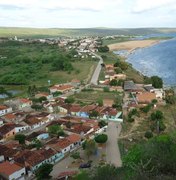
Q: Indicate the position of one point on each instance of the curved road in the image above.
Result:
(95, 76)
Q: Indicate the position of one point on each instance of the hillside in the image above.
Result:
(35, 63)
(55, 32)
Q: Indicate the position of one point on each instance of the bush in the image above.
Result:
(130, 119)
(103, 49)
(148, 134)
(102, 138)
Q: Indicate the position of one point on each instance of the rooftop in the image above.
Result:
(8, 168)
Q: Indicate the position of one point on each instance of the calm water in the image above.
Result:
(159, 59)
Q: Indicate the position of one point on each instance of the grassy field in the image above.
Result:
(86, 69)
(94, 96)
(116, 40)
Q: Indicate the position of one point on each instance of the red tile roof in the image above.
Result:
(88, 108)
(2, 107)
(74, 138)
(24, 100)
(8, 168)
(75, 108)
(10, 116)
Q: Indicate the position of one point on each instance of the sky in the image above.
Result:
(88, 13)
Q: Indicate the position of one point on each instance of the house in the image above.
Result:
(81, 129)
(8, 130)
(149, 88)
(32, 160)
(75, 139)
(108, 102)
(62, 88)
(5, 110)
(11, 170)
(145, 98)
(75, 82)
(46, 95)
(67, 144)
(160, 94)
(36, 120)
(62, 144)
(130, 86)
(74, 109)
(19, 104)
(9, 117)
(85, 111)
(7, 153)
(111, 114)
(40, 135)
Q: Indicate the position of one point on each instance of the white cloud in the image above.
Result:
(87, 13)
(145, 5)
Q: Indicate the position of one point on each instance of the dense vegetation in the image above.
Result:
(22, 63)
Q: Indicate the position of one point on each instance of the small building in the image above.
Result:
(5, 110)
(46, 95)
(75, 82)
(11, 171)
(62, 88)
(19, 104)
(9, 130)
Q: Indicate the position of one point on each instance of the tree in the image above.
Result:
(21, 138)
(113, 82)
(94, 114)
(102, 123)
(54, 129)
(90, 147)
(146, 109)
(60, 133)
(118, 70)
(148, 134)
(70, 100)
(101, 138)
(37, 107)
(157, 82)
(103, 49)
(44, 171)
(75, 155)
(43, 98)
(157, 115)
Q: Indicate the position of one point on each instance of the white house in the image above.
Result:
(11, 171)
(5, 110)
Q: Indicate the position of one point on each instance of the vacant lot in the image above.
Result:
(94, 96)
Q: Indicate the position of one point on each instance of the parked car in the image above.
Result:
(85, 165)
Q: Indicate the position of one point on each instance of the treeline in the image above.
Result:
(22, 62)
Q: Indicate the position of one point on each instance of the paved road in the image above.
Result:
(112, 148)
(95, 76)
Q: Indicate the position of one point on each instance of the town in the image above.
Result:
(58, 126)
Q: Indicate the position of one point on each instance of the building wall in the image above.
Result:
(17, 174)
(5, 111)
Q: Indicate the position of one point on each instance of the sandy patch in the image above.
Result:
(131, 45)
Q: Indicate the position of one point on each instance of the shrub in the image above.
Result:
(102, 138)
(148, 134)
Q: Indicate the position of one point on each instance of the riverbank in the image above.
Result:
(132, 45)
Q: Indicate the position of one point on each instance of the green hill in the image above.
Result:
(55, 32)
